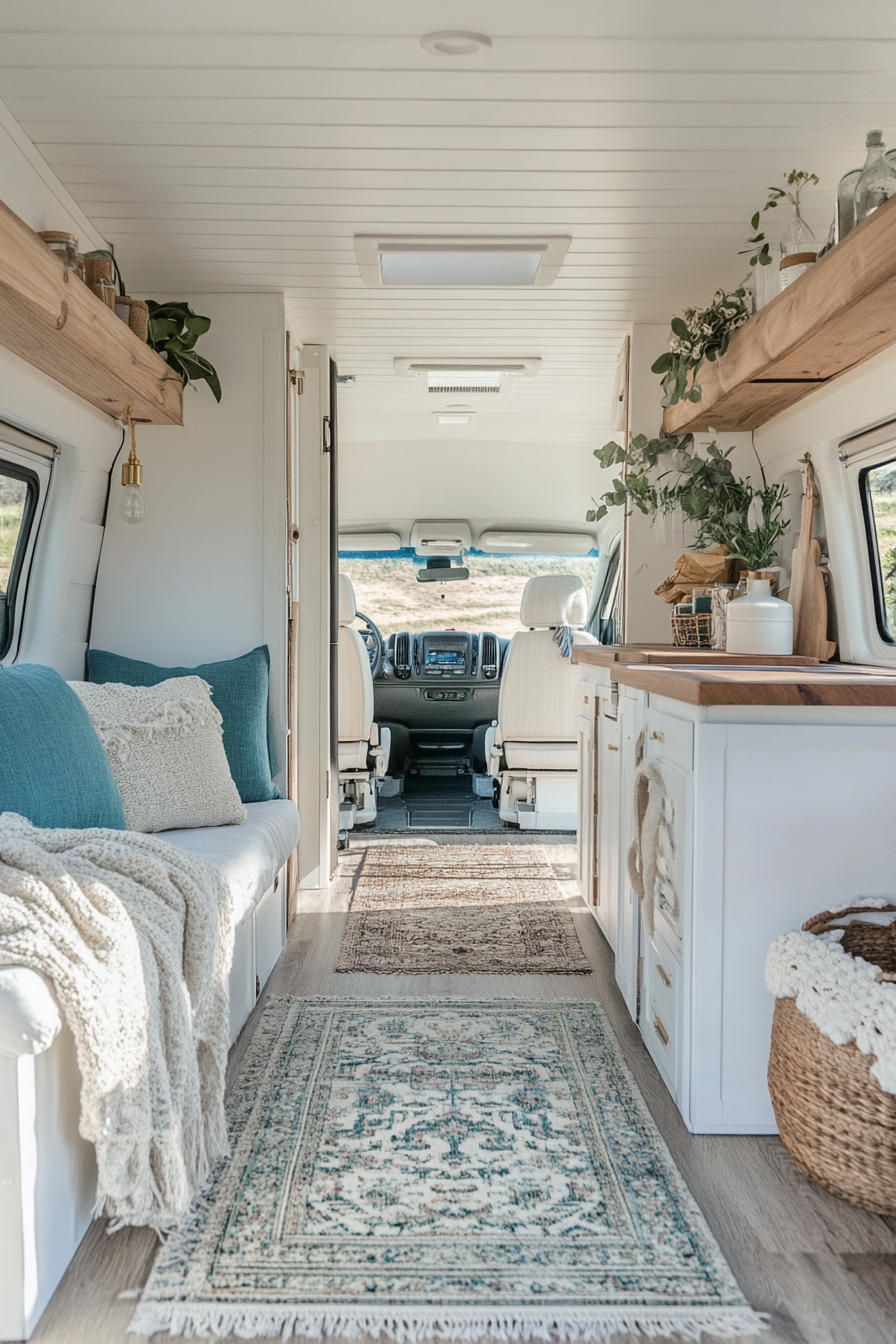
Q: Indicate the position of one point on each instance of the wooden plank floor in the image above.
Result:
(824, 1271)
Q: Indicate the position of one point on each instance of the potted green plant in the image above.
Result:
(174, 330)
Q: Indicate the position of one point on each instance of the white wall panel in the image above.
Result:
(188, 585)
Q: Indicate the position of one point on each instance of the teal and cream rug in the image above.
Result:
(444, 1168)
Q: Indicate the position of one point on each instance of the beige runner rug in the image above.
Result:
(459, 909)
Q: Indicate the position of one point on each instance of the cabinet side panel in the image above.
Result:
(808, 823)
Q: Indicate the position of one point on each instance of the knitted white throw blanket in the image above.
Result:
(137, 937)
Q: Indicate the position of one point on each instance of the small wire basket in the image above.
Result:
(693, 631)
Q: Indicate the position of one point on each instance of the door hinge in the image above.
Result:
(297, 378)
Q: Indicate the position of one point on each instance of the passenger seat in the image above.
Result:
(532, 748)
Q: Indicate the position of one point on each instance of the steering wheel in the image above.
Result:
(376, 646)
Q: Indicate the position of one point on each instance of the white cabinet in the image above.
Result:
(786, 811)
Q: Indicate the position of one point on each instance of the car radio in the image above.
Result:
(445, 655)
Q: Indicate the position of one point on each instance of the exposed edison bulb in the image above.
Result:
(132, 507)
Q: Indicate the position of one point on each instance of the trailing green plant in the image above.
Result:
(668, 473)
(174, 330)
(758, 246)
(703, 333)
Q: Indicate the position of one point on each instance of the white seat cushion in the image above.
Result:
(541, 755)
(353, 755)
(539, 699)
(249, 856)
(29, 1014)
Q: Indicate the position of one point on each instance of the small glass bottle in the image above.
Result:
(798, 237)
(877, 181)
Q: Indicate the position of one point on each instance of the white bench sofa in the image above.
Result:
(47, 1171)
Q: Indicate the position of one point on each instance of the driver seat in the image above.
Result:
(363, 748)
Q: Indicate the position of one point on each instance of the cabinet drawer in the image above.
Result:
(669, 738)
(660, 1036)
(661, 1015)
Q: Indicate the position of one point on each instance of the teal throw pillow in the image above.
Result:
(53, 768)
(239, 690)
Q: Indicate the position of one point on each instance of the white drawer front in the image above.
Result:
(669, 739)
(661, 1011)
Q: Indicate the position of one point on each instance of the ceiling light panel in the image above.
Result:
(460, 262)
(460, 266)
(453, 419)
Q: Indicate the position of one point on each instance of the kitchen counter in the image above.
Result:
(781, 685)
(608, 655)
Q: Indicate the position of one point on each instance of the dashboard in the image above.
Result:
(438, 691)
(443, 657)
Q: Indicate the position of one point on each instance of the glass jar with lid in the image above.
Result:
(65, 246)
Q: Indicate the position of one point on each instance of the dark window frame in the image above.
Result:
(17, 472)
(871, 537)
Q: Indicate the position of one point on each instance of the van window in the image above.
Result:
(18, 500)
(386, 589)
(880, 520)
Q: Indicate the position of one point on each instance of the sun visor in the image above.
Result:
(508, 542)
(369, 541)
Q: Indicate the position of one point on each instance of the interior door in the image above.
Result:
(331, 448)
(315, 620)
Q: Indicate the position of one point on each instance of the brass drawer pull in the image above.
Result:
(664, 975)
(610, 747)
(660, 1030)
(658, 736)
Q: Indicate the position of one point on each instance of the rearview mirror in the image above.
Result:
(440, 570)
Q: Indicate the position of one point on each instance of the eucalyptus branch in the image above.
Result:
(667, 473)
(703, 333)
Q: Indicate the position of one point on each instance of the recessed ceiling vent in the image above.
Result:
(463, 380)
(480, 377)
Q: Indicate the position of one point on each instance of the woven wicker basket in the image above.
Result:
(692, 632)
(833, 1116)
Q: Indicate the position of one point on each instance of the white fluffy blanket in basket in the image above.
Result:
(137, 938)
(841, 994)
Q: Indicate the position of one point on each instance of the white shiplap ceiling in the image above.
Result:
(240, 146)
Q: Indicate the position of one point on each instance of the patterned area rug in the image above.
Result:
(456, 909)
(419, 1167)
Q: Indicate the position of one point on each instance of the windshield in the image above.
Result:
(386, 589)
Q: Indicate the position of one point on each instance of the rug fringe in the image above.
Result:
(584, 1325)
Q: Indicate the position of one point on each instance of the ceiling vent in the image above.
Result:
(484, 377)
(464, 262)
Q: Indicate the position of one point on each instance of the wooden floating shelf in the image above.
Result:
(840, 313)
(52, 320)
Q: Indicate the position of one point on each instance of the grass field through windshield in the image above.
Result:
(386, 590)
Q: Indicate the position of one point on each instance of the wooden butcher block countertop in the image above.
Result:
(713, 685)
(608, 655)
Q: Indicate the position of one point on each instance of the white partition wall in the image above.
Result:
(203, 577)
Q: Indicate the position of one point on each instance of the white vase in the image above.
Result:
(759, 623)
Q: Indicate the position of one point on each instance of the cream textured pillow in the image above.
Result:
(165, 748)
